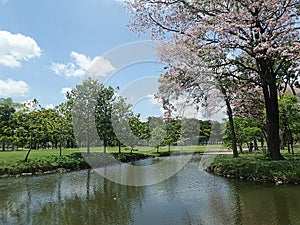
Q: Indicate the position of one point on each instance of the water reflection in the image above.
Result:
(267, 204)
(75, 198)
(145, 172)
(190, 197)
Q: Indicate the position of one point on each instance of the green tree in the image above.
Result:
(121, 116)
(248, 130)
(205, 128)
(6, 112)
(83, 100)
(140, 129)
(289, 120)
(65, 113)
(103, 116)
(157, 136)
(173, 131)
(21, 132)
(190, 131)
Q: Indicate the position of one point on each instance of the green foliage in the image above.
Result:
(257, 167)
(157, 136)
(74, 161)
(173, 131)
(246, 129)
(103, 115)
(6, 127)
(289, 114)
(121, 116)
(52, 163)
(83, 100)
(189, 131)
(205, 131)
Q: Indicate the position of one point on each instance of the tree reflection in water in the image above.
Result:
(70, 201)
(189, 197)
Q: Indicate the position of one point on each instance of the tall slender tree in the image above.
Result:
(83, 99)
(121, 116)
(103, 116)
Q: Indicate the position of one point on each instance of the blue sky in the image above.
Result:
(49, 46)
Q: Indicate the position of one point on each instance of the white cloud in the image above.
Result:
(65, 90)
(84, 66)
(124, 1)
(30, 104)
(12, 88)
(15, 48)
(49, 106)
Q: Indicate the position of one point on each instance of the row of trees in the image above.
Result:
(97, 116)
(231, 50)
(94, 115)
(100, 116)
(31, 126)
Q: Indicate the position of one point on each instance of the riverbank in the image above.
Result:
(256, 167)
(66, 163)
(76, 161)
(45, 161)
(252, 167)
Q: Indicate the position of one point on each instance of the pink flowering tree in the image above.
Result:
(261, 37)
(248, 102)
(208, 88)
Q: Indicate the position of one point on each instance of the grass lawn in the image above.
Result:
(8, 157)
(147, 150)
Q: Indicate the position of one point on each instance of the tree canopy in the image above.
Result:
(255, 41)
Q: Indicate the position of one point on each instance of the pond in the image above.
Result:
(191, 196)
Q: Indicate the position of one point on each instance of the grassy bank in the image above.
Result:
(71, 162)
(48, 160)
(256, 167)
(8, 157)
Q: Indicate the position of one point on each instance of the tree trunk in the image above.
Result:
(231, 122)
(169, 146)
(232, 129)
(272, 112)
(250, 146)
(241, 148)
(262, 142)
(119, 145)
(88, 143)
(3, 146)
(60, 151)
(255, 144)
(104, 146)
(292, 142)
(27, 155)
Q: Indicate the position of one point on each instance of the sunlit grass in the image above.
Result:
(8, 157)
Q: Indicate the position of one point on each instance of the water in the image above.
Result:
(189, 197)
